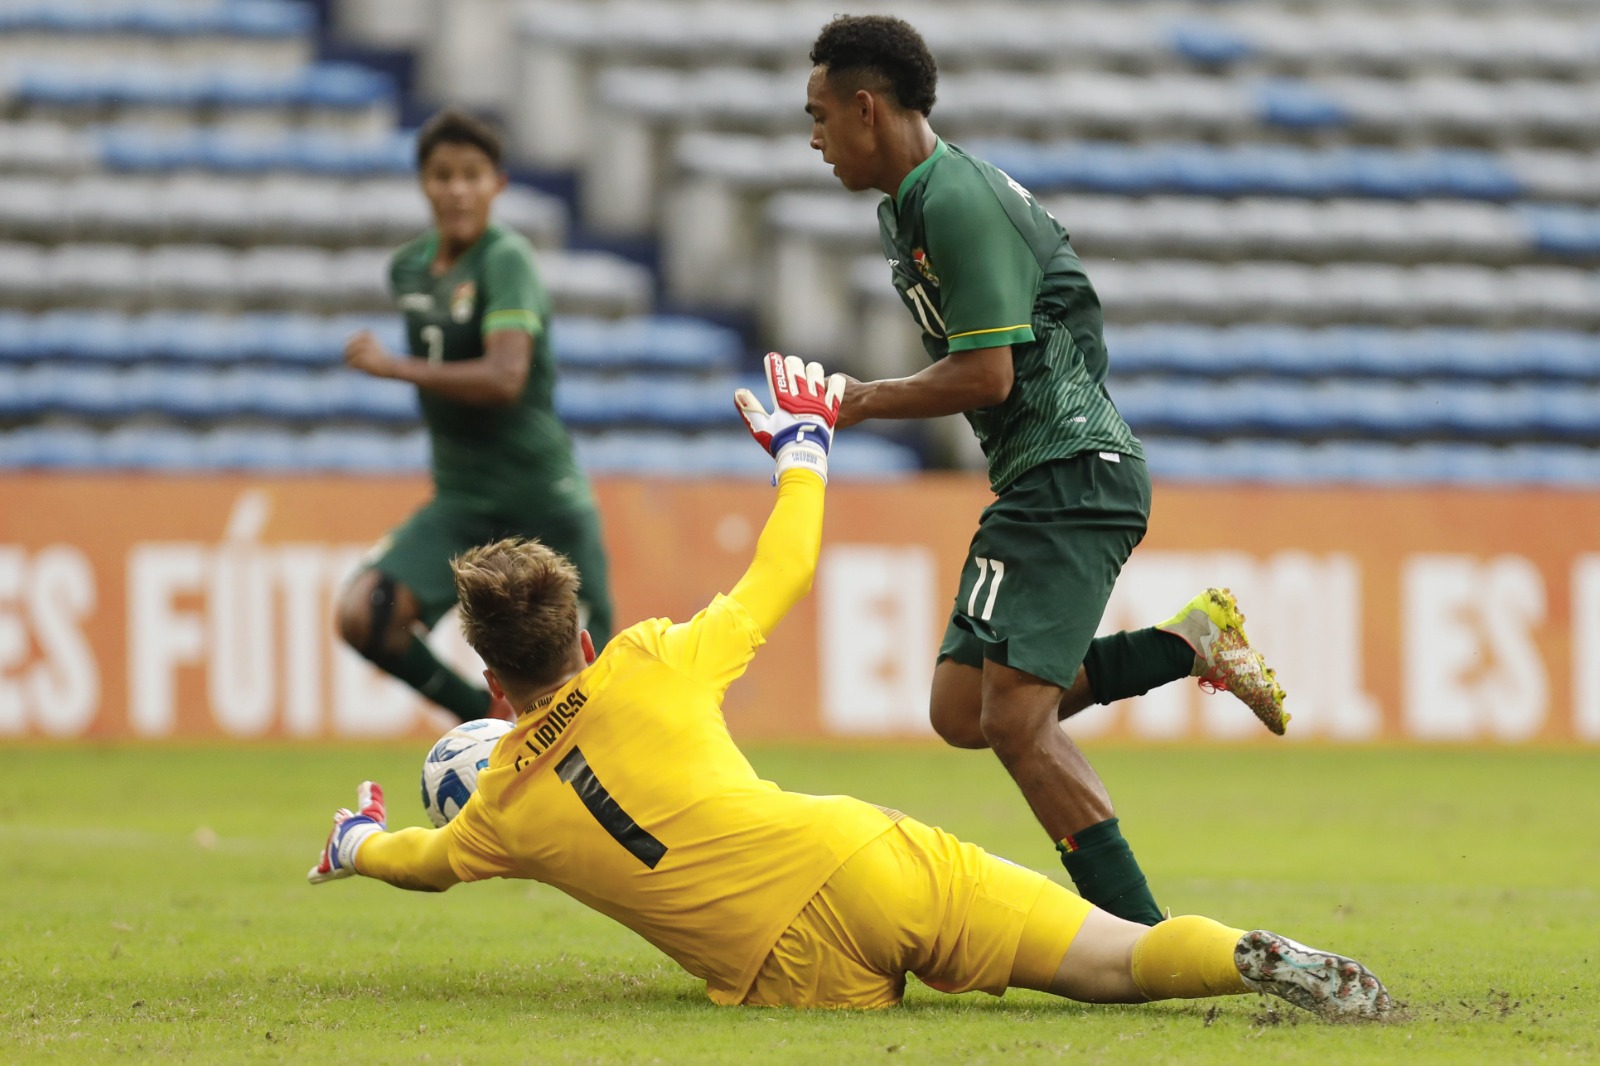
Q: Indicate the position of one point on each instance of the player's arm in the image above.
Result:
(495, 380)
(512, 330)
(989, 279)
(961, 381)
(798, 433)
(418, 859)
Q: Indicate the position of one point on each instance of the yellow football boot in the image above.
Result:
(1213, 626)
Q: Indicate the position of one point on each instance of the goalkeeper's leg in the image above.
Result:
(1098, 958)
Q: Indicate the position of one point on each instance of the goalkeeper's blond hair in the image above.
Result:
(518, 601)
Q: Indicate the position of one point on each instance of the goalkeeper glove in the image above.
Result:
(798, 431)
(350, 831)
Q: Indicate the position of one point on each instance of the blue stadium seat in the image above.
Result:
(1383, 173)
(1298, 104)
(690, 403)
(1089, 165)
(613, 453)
(1277, 170)
(322, 85)
(277, 394)
(86, 391)
(1556, 354)
(659, 341)
(1198, 169)
(863, 456)
(16, 338)
(256, 450)
(1474, 175)
(1281, 350)
(262, 18)
(150, 448)
(1557, 465)
(583, 401)
(144, 149)
(19, 392)
(343, 85)
(1570, 413)
(364, 451)
(179, 393)
(242, 18)
(353, 395)
(1209, 42)
(1160, 348)
(327, 153)
(102, 336)
(1563, 231)
(49, 447)
(1483, 411)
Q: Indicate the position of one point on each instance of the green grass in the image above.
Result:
(154, 907)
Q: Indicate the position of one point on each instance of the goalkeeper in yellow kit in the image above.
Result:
(620, 785)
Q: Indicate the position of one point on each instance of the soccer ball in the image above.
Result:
(450, 772)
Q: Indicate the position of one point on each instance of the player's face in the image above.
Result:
(460, 182)
(841, 131)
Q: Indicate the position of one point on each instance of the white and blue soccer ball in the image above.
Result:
(450, 772)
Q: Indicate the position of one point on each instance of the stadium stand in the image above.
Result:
(1335, 241)
(196, 211)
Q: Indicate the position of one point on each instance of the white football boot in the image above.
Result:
(1319, 981)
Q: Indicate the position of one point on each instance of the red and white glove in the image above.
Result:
(350, 831)
(798, 431)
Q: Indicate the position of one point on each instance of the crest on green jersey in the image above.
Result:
(461, 301)
(925, 265)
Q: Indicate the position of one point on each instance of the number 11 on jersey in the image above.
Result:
(985, 568)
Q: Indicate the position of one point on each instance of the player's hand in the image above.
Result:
(798, 431)
(850, 404)
(350, 829)
(364, 352)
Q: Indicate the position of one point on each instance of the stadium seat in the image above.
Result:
(667, 342)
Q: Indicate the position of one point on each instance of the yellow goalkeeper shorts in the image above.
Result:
(916, 900)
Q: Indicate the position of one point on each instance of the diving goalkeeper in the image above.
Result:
(620, 785)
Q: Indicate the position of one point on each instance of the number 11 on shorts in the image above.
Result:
(985, 568)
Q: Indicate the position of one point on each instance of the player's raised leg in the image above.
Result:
(380, 618)
(1212, 625)
(1205, 639)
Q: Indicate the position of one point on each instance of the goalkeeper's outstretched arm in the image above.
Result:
(414, 858)
(797, 432)
(786, 554)
(417, 859)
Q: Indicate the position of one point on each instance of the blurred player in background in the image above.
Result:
(1014, 331)
(620, 786)
(478, 329)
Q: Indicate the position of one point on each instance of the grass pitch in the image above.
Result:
(155, 908)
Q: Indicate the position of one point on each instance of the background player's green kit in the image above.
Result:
(497, 471)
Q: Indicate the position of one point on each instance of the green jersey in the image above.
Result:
(488, 457)
(980, 264)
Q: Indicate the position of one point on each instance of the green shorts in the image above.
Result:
(418, 554)
(1041, 566)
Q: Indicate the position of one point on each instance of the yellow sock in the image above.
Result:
(1187, 957)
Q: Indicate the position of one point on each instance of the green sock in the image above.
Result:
(1103, 867)
(1135, 661)
(422, 670)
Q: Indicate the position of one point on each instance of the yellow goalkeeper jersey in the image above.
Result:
(624, 790)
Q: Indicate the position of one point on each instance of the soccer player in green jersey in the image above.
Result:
(478, 329)
(1013, 328)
